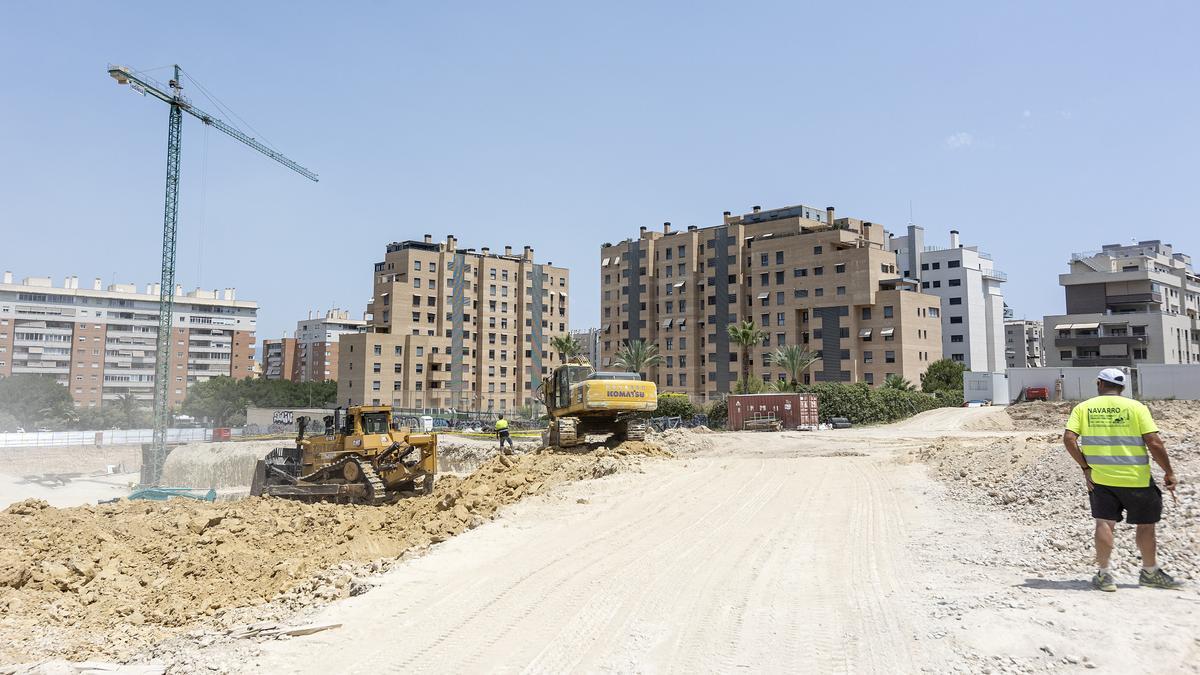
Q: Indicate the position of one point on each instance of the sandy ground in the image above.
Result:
(798, 552)
(955, 541)
(65, 491)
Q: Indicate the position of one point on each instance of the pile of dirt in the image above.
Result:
(228, 464)
(684, 441)
(110, 580)
(1034, 479)
(460, 454)
(1170, 415)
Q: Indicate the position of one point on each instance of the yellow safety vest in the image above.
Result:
(501, 425)
(1110, 432)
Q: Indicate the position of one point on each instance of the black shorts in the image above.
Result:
(1143, 505)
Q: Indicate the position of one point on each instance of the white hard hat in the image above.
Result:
(1114, 375)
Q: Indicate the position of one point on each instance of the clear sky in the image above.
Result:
(1037, 129)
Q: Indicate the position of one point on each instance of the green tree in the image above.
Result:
(36, 399)
(675, 405)
(566, 346)
(943, 374)
(636, 356)
(783, 386)
(130, 412)
(745, 335)
(794, 359)
(749, 385)
(718, 413)
(898, 382)
(220, 399)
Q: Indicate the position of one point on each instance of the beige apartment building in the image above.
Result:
(312, 355)
(804, 276)
(449, 327)
(100, 342)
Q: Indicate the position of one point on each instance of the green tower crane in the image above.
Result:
(172, 95)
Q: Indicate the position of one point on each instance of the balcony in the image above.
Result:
(1097, 340)
(995, 275)
(1101, 361)
(1134, 299)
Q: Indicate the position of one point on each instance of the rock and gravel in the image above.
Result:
(111, 580)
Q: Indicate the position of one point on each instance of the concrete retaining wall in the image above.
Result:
(1169, 381)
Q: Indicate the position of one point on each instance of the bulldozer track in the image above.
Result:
(368, 476)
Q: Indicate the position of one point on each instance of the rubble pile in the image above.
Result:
(684, 441)
(112, 579)
(1034, 479)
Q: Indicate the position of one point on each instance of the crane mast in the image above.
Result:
(172, 95)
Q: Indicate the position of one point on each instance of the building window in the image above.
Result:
(800, 272)
(887, 311)
(818, 271)
(953, 263)
(817, 250)
(957, 357)
(868, 357)
(936, 266)
(956, 319)
(956, 301)
(1139, 354)
(869, 377)
(956, 338)
(839, 268)
(935, 312)
(889, 357)
(841, 290)
(925, 267)
(819, 292)
(955, 282)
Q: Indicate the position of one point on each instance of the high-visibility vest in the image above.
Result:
(1110, 432)
(501, 425)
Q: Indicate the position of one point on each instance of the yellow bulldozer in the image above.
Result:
(582, 401)
(362, 458)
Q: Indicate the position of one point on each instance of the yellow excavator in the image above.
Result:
(582, 401)
(362, 458)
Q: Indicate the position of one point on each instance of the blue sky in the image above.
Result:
(1037, 129)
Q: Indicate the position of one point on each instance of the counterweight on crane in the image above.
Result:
(172, 95)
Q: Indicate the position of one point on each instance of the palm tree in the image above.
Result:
(745, 335)
(894, 381)
(783, 386)
(636, 356)
(566, 346)
(795, 360)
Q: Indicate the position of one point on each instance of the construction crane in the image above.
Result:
(172, 95)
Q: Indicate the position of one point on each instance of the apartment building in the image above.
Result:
(589, 340)
(279, 360)
(1127, 305)
(804, 276)
(449, 327)
(1023, 344)
(312, 355)
(968, 283)
(100, 342)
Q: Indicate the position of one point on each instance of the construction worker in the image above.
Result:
(502, 433)
(1109, 436)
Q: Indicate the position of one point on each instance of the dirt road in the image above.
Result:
(761, 555)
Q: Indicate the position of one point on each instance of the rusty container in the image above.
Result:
(793, 411)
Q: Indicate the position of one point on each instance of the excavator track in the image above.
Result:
(376, 490)
(568, 431)
(635, 430)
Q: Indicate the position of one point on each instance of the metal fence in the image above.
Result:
(97, 438)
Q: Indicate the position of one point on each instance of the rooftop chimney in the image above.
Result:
(642, 229)
(429, 239)
(97, 284)
(8, 277)
(829, 214)
(757, 208)
(954, 239)
(691, 228)
(528, 254)
(507, 250)
(450, 243)
(667, 227)
(727, 213)
(485, 250)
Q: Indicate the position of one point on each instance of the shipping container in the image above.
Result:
(793, 411)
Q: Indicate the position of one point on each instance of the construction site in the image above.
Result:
(954, 541)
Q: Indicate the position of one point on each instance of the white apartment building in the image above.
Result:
(589, 340)
(317, 343)
(100, 342)
(1024, 347)
(1126, 305)
(972, 302)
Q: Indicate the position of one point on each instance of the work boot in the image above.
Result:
(1158, 579)
(1104, 581)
